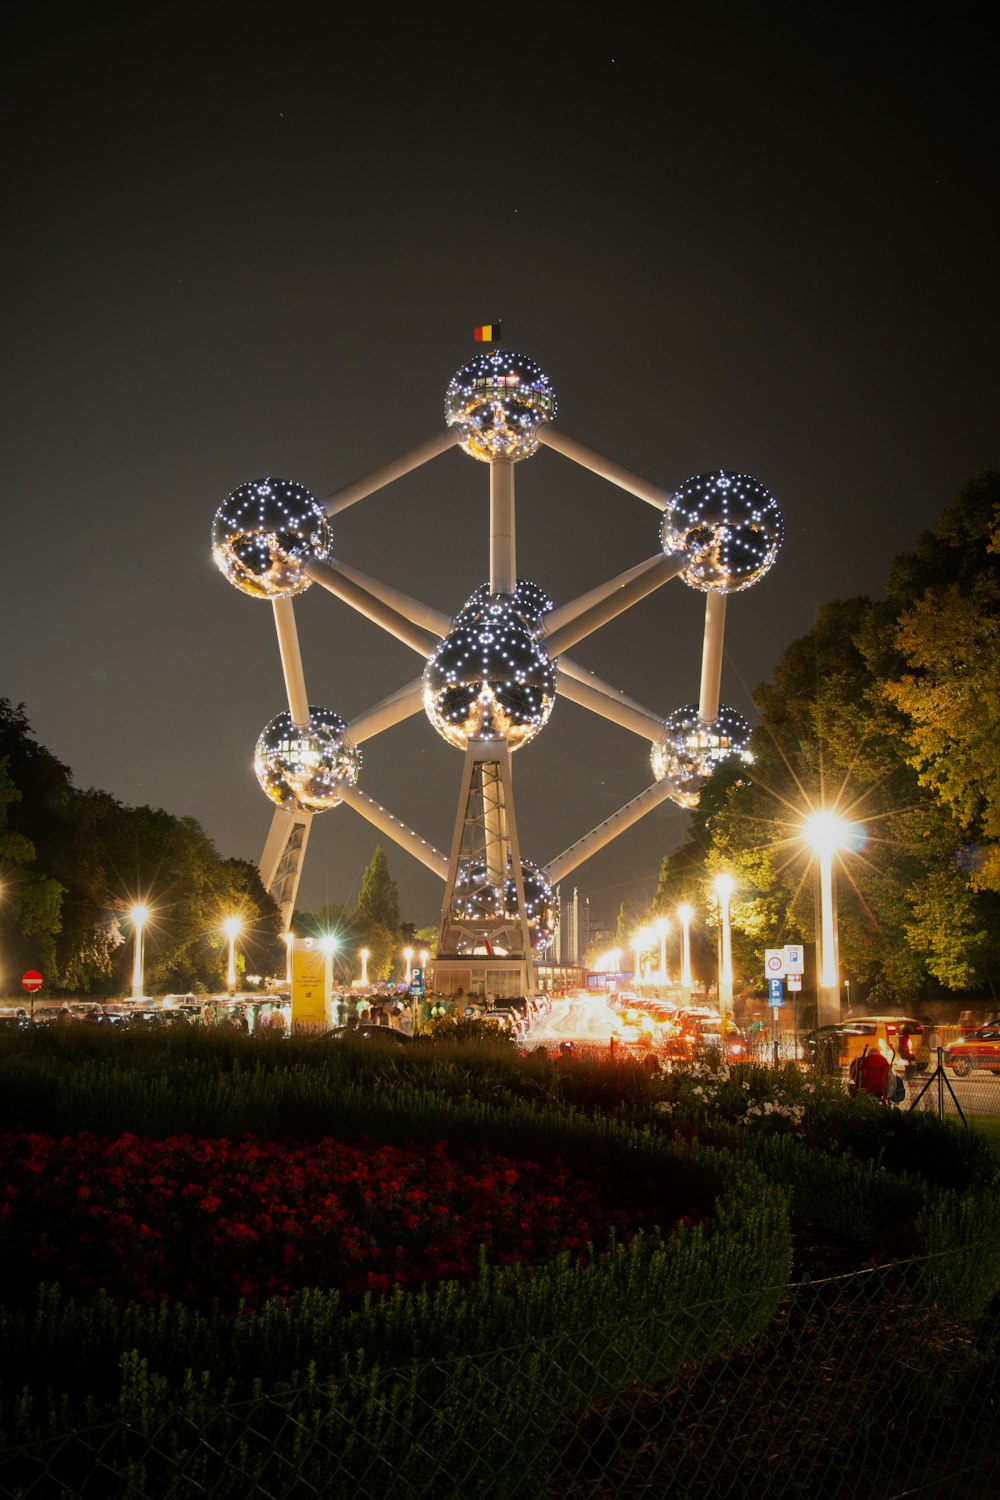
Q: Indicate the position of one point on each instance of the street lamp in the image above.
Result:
(364, 966)
(826, 835)
(724, 890)
(685, 913)
(140, 916)
(663, 927)
(232, 927)
(408, 955)
(289, 940)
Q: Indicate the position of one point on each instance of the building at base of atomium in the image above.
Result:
(490, 676)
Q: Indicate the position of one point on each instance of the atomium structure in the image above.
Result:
(491, 675)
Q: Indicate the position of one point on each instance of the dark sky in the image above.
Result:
(758, 238)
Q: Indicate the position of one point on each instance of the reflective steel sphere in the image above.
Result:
(691, 748)
(529, 602)
(264, 532)
(497, 401)
(306, 767)
(489, 676)
(539, 905)
(729, 525)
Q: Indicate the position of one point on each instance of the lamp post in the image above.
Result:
(827, 834)
(724, 890)
(364, 966)
(684, 913)
(637, 939)
(289, 940)
(408, 955)
(663, 927)
(140, 916)
(232, 927)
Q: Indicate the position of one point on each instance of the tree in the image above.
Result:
(948, 636)
(379, 897)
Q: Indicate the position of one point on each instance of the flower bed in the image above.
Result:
(219, 1223)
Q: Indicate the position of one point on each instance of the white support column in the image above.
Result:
(402, 704)
(405, 837)
(411, 609)
(371, 607)
(711, 657)
(386, 473)
(567, 613)
(280, 864)
(620, 596)
(605, 467)
(291, 662)
(558, 868)
(601, 700)
(503, 552)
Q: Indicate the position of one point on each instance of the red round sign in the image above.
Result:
(32, 981)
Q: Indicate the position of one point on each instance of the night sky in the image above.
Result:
(763, 240)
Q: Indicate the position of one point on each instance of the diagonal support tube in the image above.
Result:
(378, 478)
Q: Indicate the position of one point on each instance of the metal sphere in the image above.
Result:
(489, 676)
(730, 527)
(306, 766)
(263, 533)
(478, 900)
(539, 905)
(498, 401)
(529, 602)
(691, 748)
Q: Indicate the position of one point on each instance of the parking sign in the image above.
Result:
(775, 999)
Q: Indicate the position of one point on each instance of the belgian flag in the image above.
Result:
(488, 333)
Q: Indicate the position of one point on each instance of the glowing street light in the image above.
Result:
(232, 927)
(140, 916)
(640, 941)
(684, 914)
(289, 940)
(408, 955)
(663, 927)
(364, 966)
(724, 890)
(826, 835)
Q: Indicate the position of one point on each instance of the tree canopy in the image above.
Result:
(74, 862)
(888, 714)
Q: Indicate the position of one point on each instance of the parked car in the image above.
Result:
(368, 1031)
(900, 1039)
(718, 1036)
(510, 1021)
(979, 1048)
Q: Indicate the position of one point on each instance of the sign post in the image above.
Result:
(32, 981)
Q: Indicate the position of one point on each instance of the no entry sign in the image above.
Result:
(31, 981)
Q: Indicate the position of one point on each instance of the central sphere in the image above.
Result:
(498, 401)
(489, 676)
(306, 766)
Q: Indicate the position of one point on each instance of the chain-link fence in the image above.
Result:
(856, 1387)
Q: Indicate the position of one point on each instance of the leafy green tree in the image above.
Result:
(378, 900)
(947, 633)
(30, 903)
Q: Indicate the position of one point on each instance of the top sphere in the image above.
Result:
(498, 401)
(730, 527)
(263, 533)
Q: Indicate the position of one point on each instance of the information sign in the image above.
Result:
(416, 982)
(775, 999)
